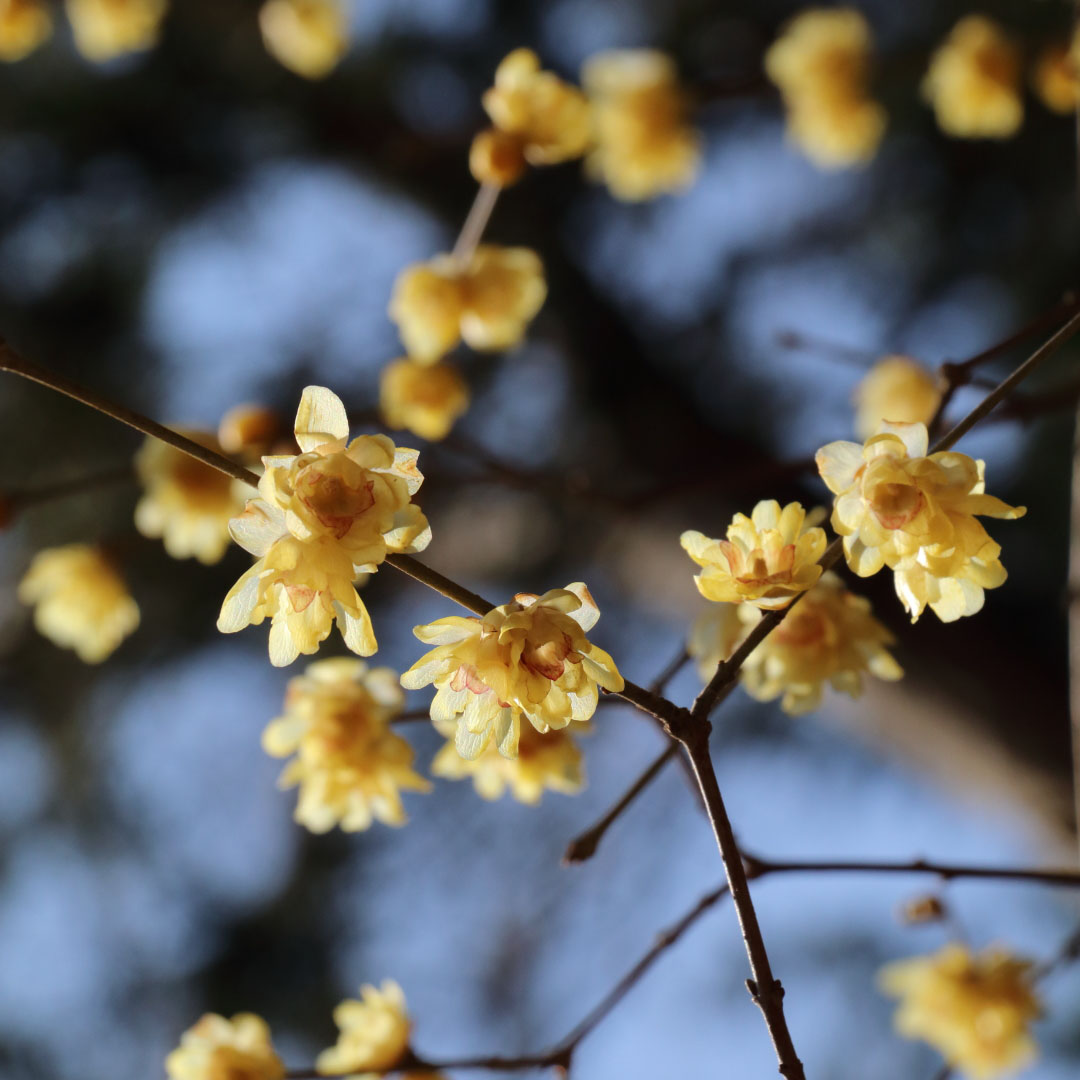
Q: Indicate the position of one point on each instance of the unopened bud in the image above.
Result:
(248, 430)
(923, 909)
(496, 158)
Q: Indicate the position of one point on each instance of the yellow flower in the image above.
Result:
(327, 515)
(374, 1032)
(896, 507)
(829, 637)
(309, 37)
(487, 302)
(1056, 79)
(185, 503)
(80, 601)
(973, 82)
(529, 657)
(425, 398)
(546, 117)
(766, 559)
(24, 25)
(497, 158)
(106, 29)
(249, 431)
(715, 634)
(350, 767)
(896, 389)
(216, 1048)
(551, 761)
(975, 1009)
(821, 65)
(643, 145)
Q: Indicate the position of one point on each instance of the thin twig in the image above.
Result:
(475, 223)
(11, 361)
(584, 845)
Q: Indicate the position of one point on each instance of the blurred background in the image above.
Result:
(194, 227)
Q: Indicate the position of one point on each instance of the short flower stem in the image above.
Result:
(475, 223)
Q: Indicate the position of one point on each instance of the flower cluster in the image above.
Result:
(916, 514)
(974, 82)
(974, 1008)
(309, 37)
(829, 638)
(550, 761)
(332, 512)
(897, 389)
(186, 503)
(527, 658)
(643, 145)
(767, 558)
(215, 1047)
(373, 1039)
(821, 65)
(80, 601)
(537, 120)
(350, 767)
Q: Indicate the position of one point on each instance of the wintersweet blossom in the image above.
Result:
(973, 82)
(821, 64)
(897, 389)
(527, 658)
(714, 635)
(309, 37)
(249, 431)
(766, 559)
(350, 767)
(80, 601)
(24, 25)
(552, 761)
(373, 1032)
(487, 302)
(976, 1009)
(896, 507)
(830, 637)
(643, 144)
(106, 29)
(215, 1048)
(1056, 77)
(424, 398)
(546, 118)
(327, 515)
(185, 503)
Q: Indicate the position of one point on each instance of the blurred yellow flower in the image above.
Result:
(424, 398)
(327, 515)
(766, 559)
(548, 118)
(106, 29)
(973, 82)
(309, 37)
(830, 637)
(529, 657)
(185, 503)
(351, 769)
(497, 158)
(487, 302)
(643, 144)
(896, 389)
(374, 1032)
(24, 25)
(551, 761)
(215, 1048)
(1056, 77)
(80, 601)
(976, 1009)
(896, 507)
(715, 634)
(821, 64)
(249, 431)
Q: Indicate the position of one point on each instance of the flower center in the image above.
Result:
(894, 505)
(801, 629)
(336, 503)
